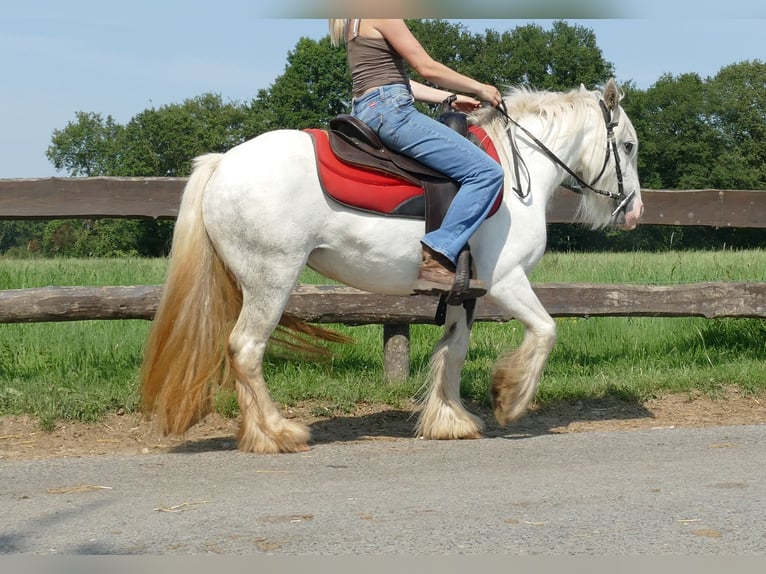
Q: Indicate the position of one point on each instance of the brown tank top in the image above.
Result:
(373, 62)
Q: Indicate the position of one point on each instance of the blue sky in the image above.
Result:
(118, 59)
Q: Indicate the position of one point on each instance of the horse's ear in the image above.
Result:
(611, 95)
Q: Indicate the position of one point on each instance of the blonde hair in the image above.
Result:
(337, 27)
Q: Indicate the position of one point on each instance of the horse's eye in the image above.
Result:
(628, 146)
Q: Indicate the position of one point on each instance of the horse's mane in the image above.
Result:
(547, 105)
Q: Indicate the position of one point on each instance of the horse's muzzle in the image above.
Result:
(628, 212)
(633, 216)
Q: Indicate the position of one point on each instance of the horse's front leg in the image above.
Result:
(443, 415)
(516, 373)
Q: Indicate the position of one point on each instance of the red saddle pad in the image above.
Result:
(371, 190)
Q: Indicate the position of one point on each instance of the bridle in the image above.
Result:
(620, 198)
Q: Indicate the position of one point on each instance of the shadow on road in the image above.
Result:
(400, 424)
(553, 418)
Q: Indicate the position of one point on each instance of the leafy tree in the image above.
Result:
(697, 134)
(99, 237)
(315, 87)
(451, 44)
(86, 147)
(21, 238)
(557, 59)
(156, 142)
(678, 144)
(162, 142)
(736, 107)
(561, 58)
(575, 57)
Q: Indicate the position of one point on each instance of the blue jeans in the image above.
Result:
(390, 111)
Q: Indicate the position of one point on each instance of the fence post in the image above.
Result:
(396, 352)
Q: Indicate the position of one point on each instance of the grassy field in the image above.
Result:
(81, 370)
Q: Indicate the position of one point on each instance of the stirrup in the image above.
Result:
(462, 289)
(441, 311)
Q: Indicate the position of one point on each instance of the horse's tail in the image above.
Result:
(185, 355)
(186, 359)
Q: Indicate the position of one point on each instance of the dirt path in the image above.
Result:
(22, 439)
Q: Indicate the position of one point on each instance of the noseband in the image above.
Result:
(620, 198)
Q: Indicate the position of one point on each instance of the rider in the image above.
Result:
(383, 98)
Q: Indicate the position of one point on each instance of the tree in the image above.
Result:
(697, 134)
(162, 142)
(315, 87)
(451, 44)
(86, 147)
(21, 237)
(558, 59)
(678, 143)
(693, 133)
(736, 108)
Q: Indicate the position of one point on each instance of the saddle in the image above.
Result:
(356, 169)
(355, 143)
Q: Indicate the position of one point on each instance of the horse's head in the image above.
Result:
(616, 191)
(587, 137)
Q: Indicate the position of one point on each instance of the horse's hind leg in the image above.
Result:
(263, 429)
(443, 415)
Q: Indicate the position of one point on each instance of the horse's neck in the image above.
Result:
(529, 170)
(534, 166)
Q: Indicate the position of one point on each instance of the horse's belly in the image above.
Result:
(371, 253)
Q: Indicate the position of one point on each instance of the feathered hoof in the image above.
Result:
(290, 437)
(446, 423)
(507, 402)
(505, 417)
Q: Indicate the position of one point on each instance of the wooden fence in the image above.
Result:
(52, 198)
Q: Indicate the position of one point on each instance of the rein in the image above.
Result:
(620, 198)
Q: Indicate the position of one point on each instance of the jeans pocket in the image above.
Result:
(402, 99)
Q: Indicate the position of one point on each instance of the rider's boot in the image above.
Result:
(437, 276)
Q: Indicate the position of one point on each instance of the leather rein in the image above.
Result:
(620, 198)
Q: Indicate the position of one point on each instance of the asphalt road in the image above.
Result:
(647, 492)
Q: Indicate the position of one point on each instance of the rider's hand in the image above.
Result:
(465, 104)
(489, 94)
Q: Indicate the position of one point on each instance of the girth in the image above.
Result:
(355, 143)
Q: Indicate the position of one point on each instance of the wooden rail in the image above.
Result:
(340, 304)
(337, 304)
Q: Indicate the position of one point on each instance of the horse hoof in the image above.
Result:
(292, 437)
(446, 424)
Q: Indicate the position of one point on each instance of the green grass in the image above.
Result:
(82, 370)
(79, 370)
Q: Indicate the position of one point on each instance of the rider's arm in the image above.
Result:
(408, 47)
(431, 95)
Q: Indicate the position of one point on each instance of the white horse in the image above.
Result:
(252, 218)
